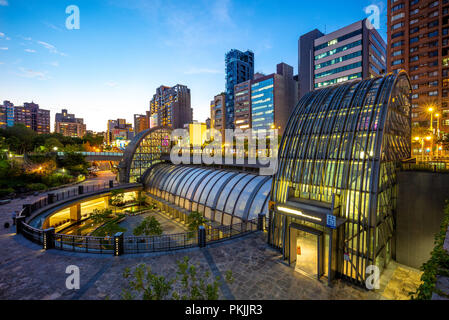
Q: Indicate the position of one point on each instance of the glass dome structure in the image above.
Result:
(337, 173)
(224, 196)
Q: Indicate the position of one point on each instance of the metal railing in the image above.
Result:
(220, 233)
(167, 242)
(440, 167)
(130, 244)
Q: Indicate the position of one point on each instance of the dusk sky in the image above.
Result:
(124, 50)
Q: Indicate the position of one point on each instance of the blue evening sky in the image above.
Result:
(125, 49)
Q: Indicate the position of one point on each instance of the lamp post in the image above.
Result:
(430, 110)
(421, 139)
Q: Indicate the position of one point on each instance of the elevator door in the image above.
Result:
(306, 252)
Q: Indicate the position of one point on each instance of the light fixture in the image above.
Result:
(298, 213)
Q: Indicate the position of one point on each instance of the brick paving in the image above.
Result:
(28, 272)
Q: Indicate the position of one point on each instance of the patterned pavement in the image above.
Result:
(28, 272)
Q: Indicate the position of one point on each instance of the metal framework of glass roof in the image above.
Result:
(145, 150)
(345, 141)
(224, 196)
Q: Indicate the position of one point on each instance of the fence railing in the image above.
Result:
(440, 167)
(119, 244)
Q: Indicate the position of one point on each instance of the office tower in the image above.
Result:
(68, 125)
(352, 53)
(141, 122)
(171, 107)
(218, 112)
(418, 42)
(267, 101)
(239, 68)
(119, 130)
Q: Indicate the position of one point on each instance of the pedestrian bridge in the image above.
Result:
(98, 156)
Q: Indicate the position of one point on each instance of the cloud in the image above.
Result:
(50, 48)
(2, 34)
(29, 73)
(2, 62)
(3, 3)
(4, 48)
(54, 64)
(111, 84)
(52, 26)
(30, 50)
(202, 71)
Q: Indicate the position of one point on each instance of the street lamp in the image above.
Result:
(430, 110)
(428, 138)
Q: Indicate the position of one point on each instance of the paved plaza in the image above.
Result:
(28, 272)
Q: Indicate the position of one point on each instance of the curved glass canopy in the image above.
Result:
(145, 150)
(343, 143)
(225, 196)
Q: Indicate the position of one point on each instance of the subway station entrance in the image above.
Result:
(306, 250)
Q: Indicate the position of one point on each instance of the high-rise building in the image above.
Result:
(6, 114)
(353, 52)
(68, 125)
(197, 133)
(218, 112)
(239, 68)
(119, 130)
(141, 122)
(29, 115)
(266, 101)
(418, 42)
(171, 107)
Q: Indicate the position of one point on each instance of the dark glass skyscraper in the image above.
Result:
(239, 68)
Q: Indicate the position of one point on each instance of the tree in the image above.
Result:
(195, 220)
(148, 227)
(117, 197)
(101, 216)
(188, 284)
(52, 143)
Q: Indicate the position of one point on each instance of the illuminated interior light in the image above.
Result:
(298, 213)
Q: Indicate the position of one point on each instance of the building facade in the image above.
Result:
(29, 115)
(418, 42)
(68, 125)
(119, 130)
(239, 68)
(266, 102)
(141, 122)
(333, 198)
(354, 52)
(171, 107)
(218, 113)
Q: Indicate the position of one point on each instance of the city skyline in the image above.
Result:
(110, 67)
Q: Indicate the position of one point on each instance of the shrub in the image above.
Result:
(6, 192)
(438, 264)
(36, 186)
(148, 227)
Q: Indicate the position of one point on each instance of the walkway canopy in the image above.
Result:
(145, 150)
(224, 196)
(343, 143)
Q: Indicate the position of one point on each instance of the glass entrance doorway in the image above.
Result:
(306, 250)
(306, 253)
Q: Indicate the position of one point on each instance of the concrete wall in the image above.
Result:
(421, 199)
